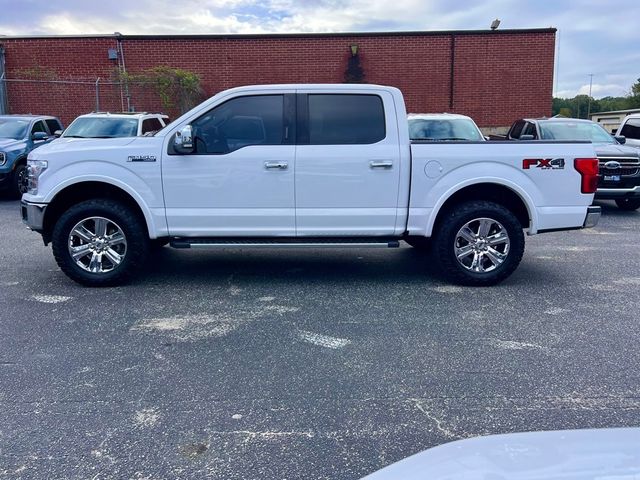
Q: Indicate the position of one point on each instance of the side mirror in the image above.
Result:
(39, 137)
(58, 133)
(614, 131)
(527, 137)
(486, 138)
(621, 139)
(183, 140)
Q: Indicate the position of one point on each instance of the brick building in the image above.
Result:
(493, 76)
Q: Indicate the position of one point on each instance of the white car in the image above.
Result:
(115, 125)
(596, 454)
(294, 166)
(630, 129)
(443, 127)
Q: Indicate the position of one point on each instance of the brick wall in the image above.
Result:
(497, 76)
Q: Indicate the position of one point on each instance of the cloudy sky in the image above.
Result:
(594, 36)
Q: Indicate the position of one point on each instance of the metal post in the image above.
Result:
(3, 95)
(3, 85)
(590, 85)
(98, 94)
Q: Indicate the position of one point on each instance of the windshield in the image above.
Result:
(444, 129)
(102, 127)
(10, 128)
(591, 132)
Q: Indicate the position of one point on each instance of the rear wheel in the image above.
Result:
(628, 203)
(478, 243)
(100, 243)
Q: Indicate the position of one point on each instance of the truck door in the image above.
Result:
(240, 179)
(347, 164)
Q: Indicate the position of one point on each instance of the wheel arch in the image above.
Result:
(19, 159)
(87, 190)
(509, 196)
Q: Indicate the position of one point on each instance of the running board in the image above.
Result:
(315, 242)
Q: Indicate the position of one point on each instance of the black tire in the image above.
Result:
(628, 204)
(132, 226)
(19, 180)
(419, 243)
(445, 237)
(158, 243)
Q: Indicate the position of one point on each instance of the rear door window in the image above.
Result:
(53, 125)
(339, 119)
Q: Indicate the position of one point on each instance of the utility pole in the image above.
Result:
(590, 85)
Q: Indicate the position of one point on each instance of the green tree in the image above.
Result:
(179, 90)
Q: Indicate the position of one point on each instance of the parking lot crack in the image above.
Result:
(419, 404)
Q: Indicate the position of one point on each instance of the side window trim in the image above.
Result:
(289, 119)
(302, 123)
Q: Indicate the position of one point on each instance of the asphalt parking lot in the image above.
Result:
(319, 364)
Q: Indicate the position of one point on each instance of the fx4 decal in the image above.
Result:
(543, 163)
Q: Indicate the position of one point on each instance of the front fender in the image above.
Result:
(13, 158)
(143, 186)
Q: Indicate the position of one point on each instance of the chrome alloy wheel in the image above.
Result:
(97, 245)
(481, 245)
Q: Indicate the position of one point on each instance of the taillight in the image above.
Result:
(588, 169)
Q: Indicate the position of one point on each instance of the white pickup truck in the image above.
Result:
(302, 166)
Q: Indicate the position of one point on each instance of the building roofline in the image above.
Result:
(234, 36)
(613, 112)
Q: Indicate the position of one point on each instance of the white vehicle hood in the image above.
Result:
(567, 455)
(88, 148)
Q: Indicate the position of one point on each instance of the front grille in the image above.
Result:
(3, 158)
(628, 166)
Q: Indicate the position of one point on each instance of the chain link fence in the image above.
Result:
(67, 99)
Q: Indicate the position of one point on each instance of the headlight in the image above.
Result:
(3, 158)
(34, 170)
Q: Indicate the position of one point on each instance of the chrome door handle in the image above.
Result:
(278, 165)
(381, 164)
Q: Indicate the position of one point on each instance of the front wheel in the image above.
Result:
(19, 180)
(100, 243)
(419, 243)
(628, 204)
(478, 243)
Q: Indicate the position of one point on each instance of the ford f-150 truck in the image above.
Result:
(299, 166)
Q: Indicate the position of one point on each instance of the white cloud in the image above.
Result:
(599, 90)
(593, 37)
